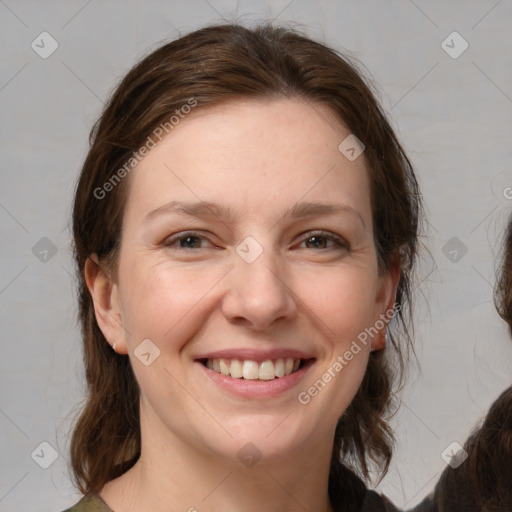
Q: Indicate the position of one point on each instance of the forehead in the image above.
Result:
(252, 154)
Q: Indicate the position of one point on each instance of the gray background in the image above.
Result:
(452, 114)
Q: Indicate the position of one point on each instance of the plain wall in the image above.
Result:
(452, 114)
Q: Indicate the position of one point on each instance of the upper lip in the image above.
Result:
(255, 354)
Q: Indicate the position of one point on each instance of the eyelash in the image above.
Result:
(340, 242)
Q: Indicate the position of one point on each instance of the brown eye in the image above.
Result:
(317, 242)
(184, 241)
(324, 241)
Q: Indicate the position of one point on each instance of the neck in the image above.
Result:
(174, 475)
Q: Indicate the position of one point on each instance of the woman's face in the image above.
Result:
(247, 250)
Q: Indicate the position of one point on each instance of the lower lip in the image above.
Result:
(247, 388)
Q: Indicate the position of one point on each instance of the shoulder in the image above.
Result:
(453, 491)
(90, 503)
(348, 492)
(374, 502)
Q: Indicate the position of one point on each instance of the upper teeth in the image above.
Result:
(248, 369)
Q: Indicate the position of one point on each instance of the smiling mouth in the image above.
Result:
(255, 370)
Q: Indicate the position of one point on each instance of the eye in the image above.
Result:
(313, 240)
(190, 240)
(321, 239)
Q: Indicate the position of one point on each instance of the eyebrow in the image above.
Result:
(207, 210)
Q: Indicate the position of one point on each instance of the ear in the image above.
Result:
(107, 307)
(384, 304)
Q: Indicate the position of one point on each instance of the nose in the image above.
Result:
(259, 296)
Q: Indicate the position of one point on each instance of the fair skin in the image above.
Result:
(304, 296)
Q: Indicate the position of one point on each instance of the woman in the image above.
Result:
(245, 227)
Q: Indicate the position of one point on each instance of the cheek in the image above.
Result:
(170, 304)
(163, 303)
(341, 300)
(167, 306)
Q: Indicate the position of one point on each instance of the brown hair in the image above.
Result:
(213, 65)
(503, 289)
(490, 448)
(488, 469)
(490, 457)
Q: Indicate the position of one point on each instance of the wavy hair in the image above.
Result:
(503, 288)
